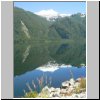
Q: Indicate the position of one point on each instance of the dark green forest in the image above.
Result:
(63, 40)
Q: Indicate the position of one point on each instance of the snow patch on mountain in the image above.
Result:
(51, 14)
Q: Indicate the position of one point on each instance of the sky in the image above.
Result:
(61, 7)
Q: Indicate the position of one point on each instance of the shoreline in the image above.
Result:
(69, 89)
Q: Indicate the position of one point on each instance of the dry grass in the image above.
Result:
(41, 83)
(33, 94)
(83, 83)
(81, 87)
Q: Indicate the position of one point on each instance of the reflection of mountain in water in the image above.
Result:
(54, 77)
(32, 56)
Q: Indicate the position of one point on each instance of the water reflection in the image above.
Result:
(30, 56)
(53, 78)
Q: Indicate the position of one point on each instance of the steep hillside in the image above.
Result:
(33, 27)
(69, 27)
(28, 23)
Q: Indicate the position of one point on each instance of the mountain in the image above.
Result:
(51, 14)
(73, 27)
(62, 40)
(27, 24)
(31, 27)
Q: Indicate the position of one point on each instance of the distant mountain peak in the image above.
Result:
(51, 14)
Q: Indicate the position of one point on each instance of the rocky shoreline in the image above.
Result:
(68, 89)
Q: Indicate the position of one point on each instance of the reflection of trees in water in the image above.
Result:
(73, 54)
(38, 54)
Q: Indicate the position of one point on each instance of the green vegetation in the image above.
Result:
(62, 40)
(40, 29)
(83, 83)
(82, 86)
(36, 25)
(77, 90)
(45, 94)
(32, 94)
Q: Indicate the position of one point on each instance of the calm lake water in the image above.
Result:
(28, 58)
(56, 78)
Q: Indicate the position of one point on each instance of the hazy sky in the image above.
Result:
(61, 7)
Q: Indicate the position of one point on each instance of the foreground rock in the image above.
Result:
(68, 89)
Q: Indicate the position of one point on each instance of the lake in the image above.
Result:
(52, 61)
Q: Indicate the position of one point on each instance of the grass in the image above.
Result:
(83, 83)
(81, 87)
(32, 94)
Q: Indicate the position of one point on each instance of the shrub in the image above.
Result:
(77, 90)
(33, 94)
(81, 87)
(83, 83)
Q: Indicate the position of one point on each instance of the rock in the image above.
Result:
(67, 90)
(56, 95)
(63, 91)
(65, 85)
(52, 89)
(45, 92)
(78, 80)
(58, 90)
(70, 90)
(54, 92)
(45, 88)
(81, 95)
(72, 81)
